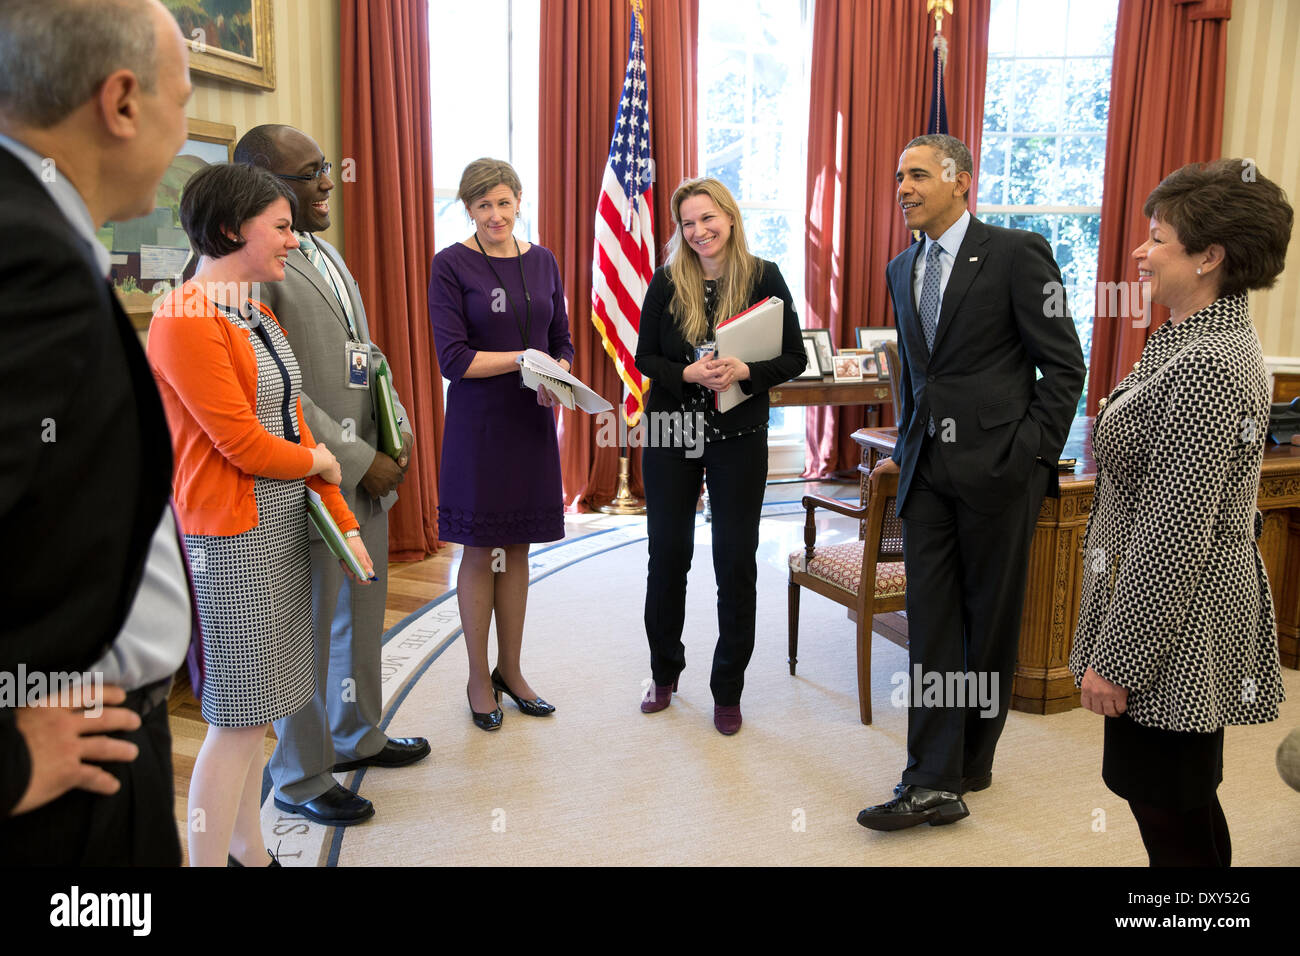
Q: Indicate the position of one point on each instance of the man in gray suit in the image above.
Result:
(319, 305)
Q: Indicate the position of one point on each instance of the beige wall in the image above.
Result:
(1262, 121)
(306, 94)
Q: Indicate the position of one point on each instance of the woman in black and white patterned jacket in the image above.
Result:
(1176, 633)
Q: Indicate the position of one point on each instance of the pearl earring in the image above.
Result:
(1198, 271)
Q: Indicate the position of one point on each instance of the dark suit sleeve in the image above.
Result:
(655, 321)
(47, 320)
(792, 360)
(902, 381)
(1051, 340)
(15, 762)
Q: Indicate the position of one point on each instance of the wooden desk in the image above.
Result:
(809, 392)
(1043, 682)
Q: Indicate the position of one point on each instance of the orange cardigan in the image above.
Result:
(206, 372)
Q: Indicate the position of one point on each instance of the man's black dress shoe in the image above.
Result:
(336, 807)
(398, 752)
(975, 784)
(913, 806)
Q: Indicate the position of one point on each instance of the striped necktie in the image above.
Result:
(930, 304)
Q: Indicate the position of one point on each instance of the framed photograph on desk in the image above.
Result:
(825, 349)
(882, 363)
(869, 338)
(848, 368)
(812, 371)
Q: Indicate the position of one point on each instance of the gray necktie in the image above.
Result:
(930, 295)
(930, 303)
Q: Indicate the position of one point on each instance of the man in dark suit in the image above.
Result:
(92, 110)
(319, 305)
(978, 313)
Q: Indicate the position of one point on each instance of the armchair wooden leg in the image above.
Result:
(864, 665)
(794, 626)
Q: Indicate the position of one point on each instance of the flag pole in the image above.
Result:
(623, 502)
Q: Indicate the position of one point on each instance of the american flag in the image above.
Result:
(624, 259)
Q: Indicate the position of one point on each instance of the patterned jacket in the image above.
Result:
(1176, 604)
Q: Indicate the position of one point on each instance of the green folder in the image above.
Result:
(328, 529)
(390, 433)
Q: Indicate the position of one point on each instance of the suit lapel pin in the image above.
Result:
(974, 258)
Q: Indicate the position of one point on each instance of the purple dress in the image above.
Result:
(499, 478)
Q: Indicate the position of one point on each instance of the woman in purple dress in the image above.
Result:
(490, 298)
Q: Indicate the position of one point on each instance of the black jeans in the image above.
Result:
(736, 472)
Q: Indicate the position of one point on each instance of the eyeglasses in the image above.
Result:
(323, 171)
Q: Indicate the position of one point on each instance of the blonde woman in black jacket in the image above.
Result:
(709, 277)
(1176, 634)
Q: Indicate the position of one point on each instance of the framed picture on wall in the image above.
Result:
(149, 253)
(229, 39)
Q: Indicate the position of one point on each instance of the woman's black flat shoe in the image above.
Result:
(533, 708)
(490, 721)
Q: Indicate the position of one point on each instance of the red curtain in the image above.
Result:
(584, 57)
(870, 94)
(1166, 110)
(388, 227)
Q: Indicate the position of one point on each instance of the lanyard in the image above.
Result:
(526, 325)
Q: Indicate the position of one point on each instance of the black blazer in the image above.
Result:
(85, 456)
(662, 353)
(1003, 315)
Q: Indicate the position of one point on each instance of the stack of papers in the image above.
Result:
(537, 368)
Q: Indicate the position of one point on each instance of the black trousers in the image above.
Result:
(134, 827)
(736, 472)
(965, 596)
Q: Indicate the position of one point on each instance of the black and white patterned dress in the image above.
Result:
(1176, 604)
(254, 588)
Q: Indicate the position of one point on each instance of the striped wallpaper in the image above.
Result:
(1261, 122)
(307, 88)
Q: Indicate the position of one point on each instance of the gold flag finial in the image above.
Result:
(939, 8)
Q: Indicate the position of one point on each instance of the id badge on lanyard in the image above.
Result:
(357, 374)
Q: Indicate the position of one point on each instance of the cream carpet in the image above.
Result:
(601, 783)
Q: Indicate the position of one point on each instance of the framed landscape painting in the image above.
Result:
(229, 39)
(147, 254)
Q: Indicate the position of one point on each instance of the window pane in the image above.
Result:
(723, 82)
(771, 87)
(993, 170)
(1002, 27)
(1083, 162)
(1087, 94)
(1033, 170)
(1092, 29)
(763, 180)
(1041, 30)
(997, 96)
(1038, 96)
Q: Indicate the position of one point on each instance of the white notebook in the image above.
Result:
(752, 336)
(538, 368)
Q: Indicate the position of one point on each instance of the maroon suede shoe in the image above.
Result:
(658, 698)
(727, 719)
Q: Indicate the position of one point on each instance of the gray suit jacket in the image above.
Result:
(340, 417)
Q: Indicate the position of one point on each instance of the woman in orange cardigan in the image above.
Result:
(230, 384)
